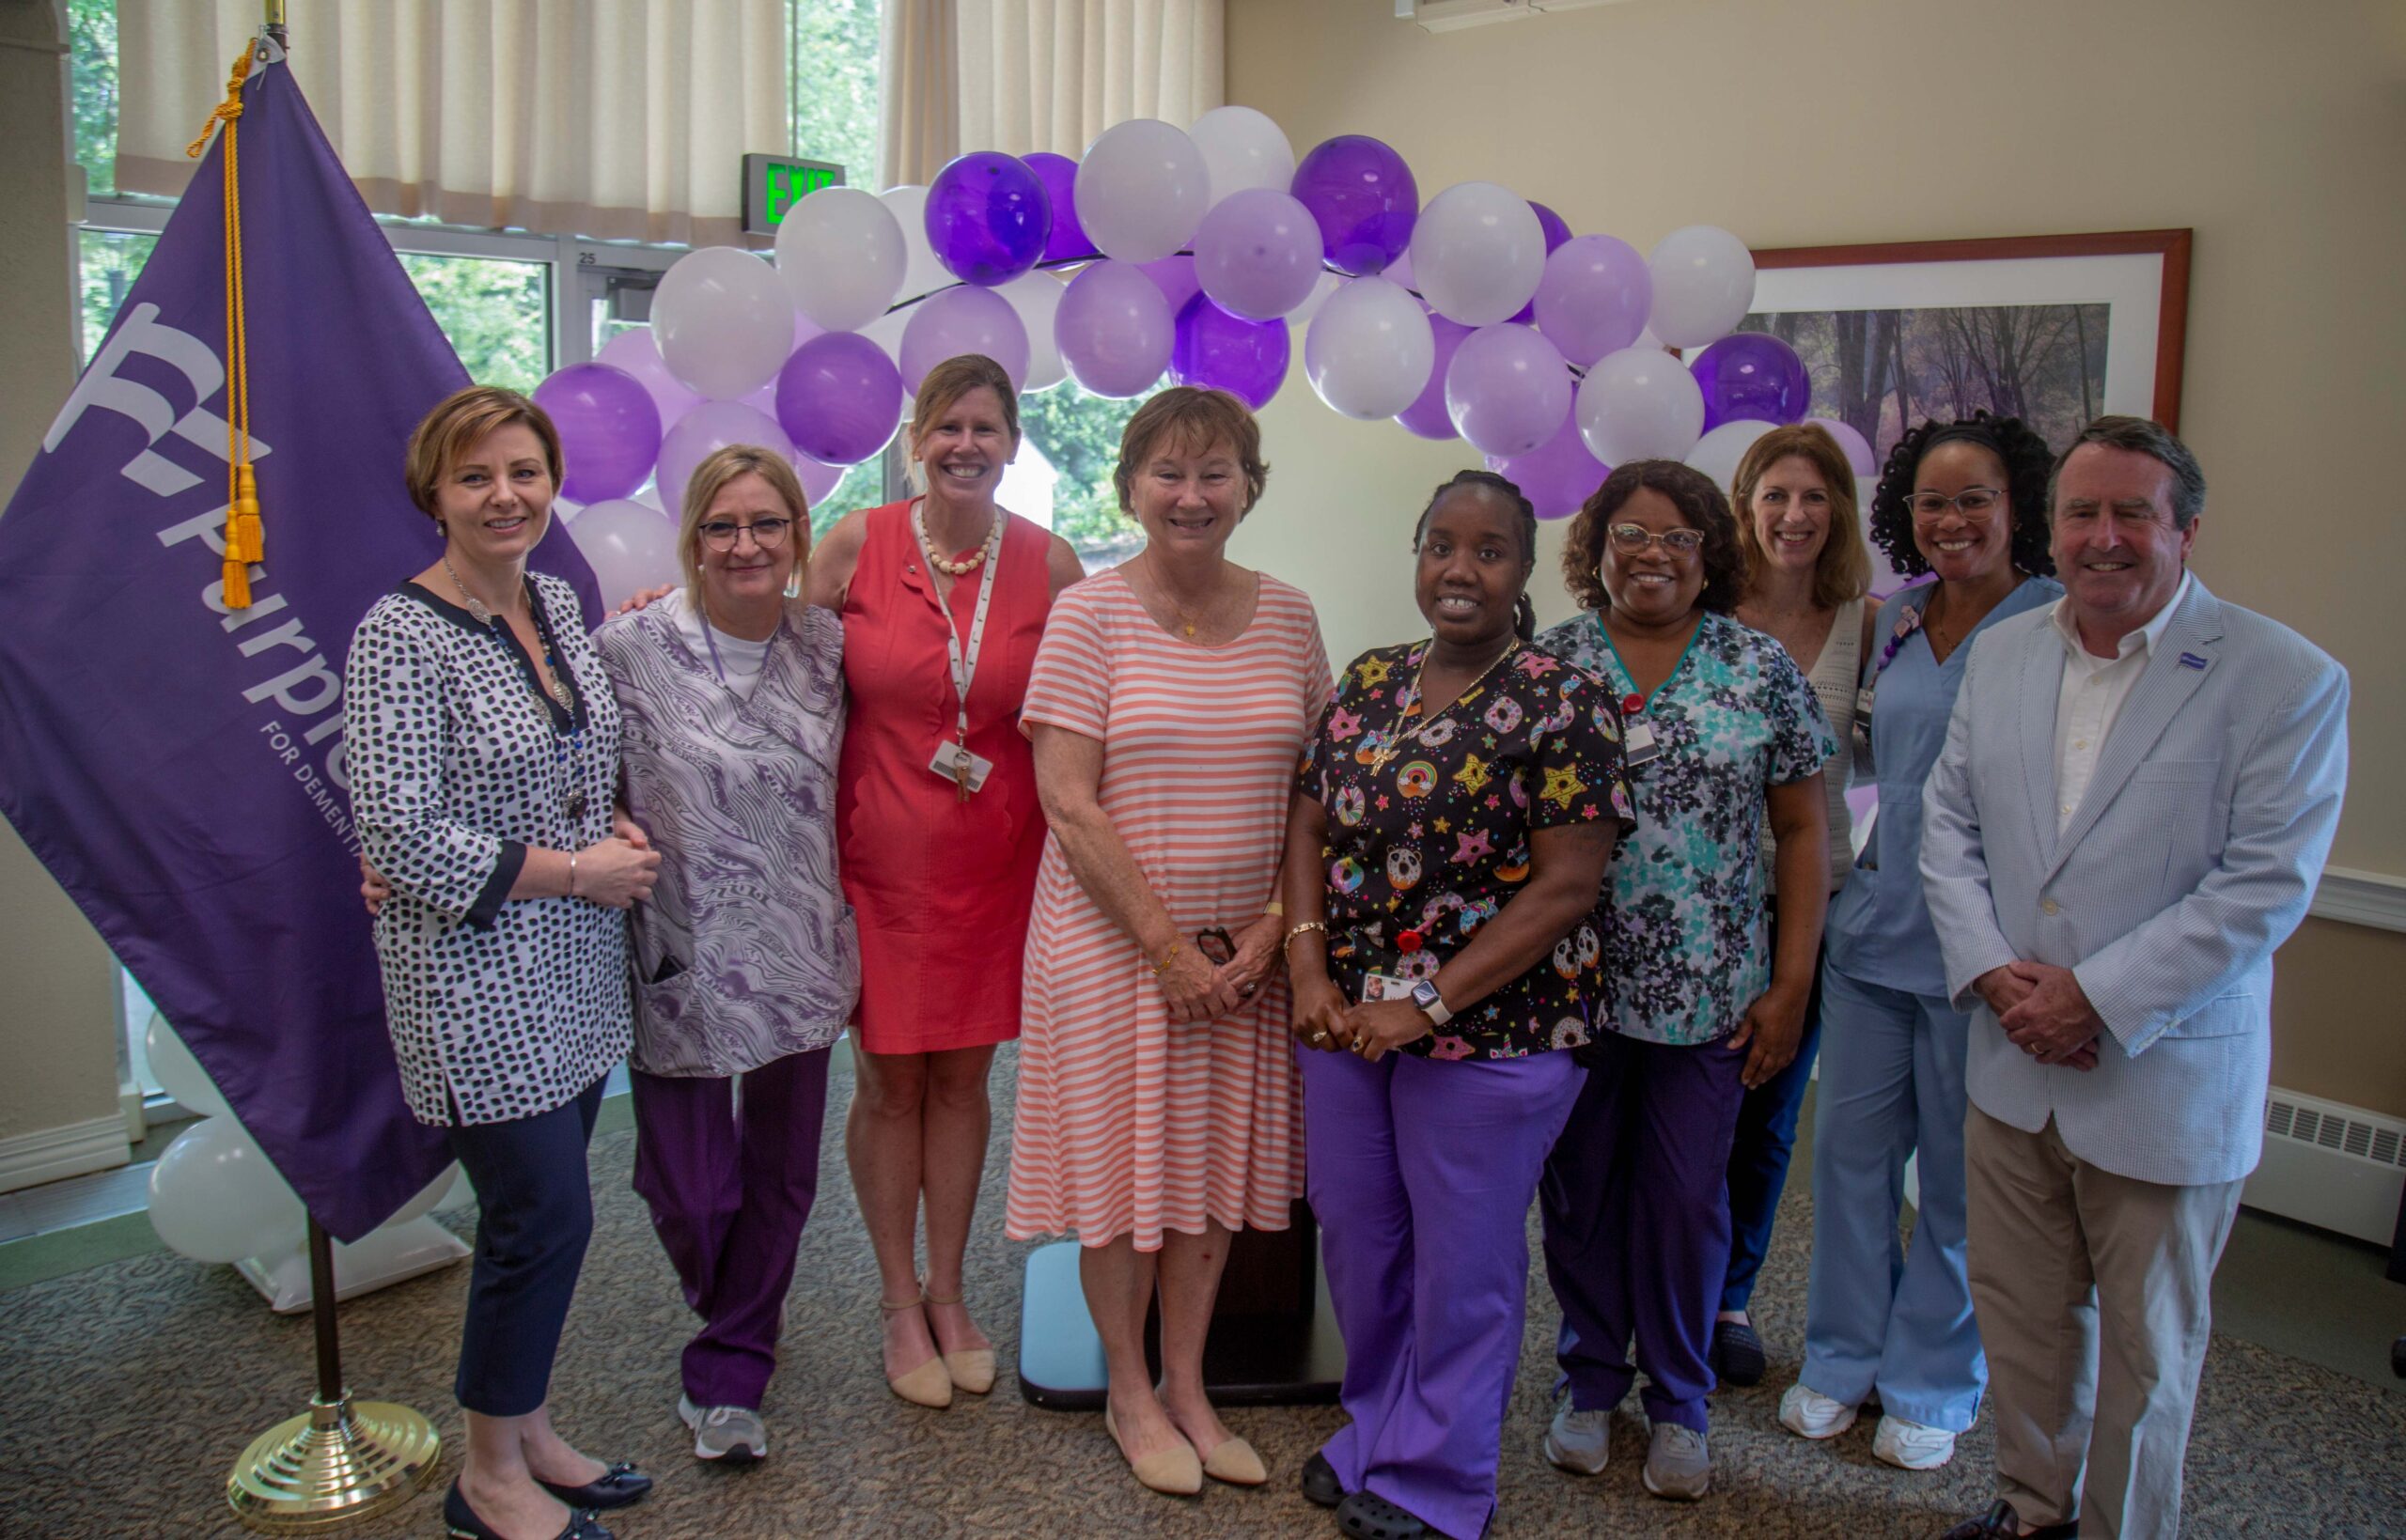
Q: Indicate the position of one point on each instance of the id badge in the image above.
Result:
(948, 759)
(1637, 745)
(1378, 986)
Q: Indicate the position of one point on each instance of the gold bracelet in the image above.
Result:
(1167, 957)
(1301, 929)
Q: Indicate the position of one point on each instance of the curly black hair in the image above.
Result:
(2028, 463)
(1701, 507)
(1508, 492)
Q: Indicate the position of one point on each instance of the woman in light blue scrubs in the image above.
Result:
(1965, 501)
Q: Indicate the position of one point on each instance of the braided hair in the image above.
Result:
(1525, 622)
(2028, 463)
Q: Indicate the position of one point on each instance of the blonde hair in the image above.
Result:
(711, 477)
(457, 424)
(953, 378)
(1842, 574)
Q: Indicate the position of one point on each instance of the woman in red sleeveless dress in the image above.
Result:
(940, 836)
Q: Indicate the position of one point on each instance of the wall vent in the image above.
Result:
(2329, 1165)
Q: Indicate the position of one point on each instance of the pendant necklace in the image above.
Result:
(1401, 738)
(554, 685)
(1185, 623)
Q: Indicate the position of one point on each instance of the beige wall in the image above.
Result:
(2278, 133)
(57, 1011)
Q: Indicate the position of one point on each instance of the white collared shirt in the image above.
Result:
(2093, 691)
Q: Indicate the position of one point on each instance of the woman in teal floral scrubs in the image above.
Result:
(1721, 732)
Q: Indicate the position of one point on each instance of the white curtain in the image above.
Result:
(1026, 75)
(918, 91)
(620, 119)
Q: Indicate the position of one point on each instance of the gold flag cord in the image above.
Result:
(243, 536)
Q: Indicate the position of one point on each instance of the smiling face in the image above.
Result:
(495, 502)
(1188, 498)
(1472, 568)
(2115, 547)
(1656, 586)
(748, 571)
(1790, 509)
(962, 450)
(1962, 547)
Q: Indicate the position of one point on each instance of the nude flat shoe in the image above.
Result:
(1174, 1471)
(1232, 1460)
(929, 1385)
(972, 1369)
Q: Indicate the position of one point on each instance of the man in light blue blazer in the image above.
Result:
(2139, 788)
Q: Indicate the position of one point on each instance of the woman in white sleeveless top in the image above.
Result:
(1806, 571)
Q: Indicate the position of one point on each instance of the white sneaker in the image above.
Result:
(1909, 1446)
(1580, 1442)
(1808, 1413)
(734, 1435)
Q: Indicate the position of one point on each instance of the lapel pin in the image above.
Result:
(2190, 659)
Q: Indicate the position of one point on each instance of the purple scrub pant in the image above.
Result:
(730, 1167)
(1422, 1173)
(1637, 1222)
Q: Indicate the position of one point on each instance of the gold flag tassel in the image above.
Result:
(244, 537)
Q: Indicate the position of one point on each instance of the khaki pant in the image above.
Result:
(2092, 1292)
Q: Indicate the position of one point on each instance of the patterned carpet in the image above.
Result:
(127, 1390)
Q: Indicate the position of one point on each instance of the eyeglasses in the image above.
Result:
(1972, 503)
(1629, 539)
(768, 533)
(1218, 947)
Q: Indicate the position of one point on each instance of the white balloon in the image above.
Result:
(215, 1198)
(723, 321)
(886, 332)
(1717, 453)
(429, 1197)
(1036, 296)
(1477, 252)
(842, 256)
(1639, 403)
(629, 546)
(1369, 351)
(1329, 284)
(921, 273)
(1704, 284)
(1242, 147)
(1141, 191)
(178, 1072)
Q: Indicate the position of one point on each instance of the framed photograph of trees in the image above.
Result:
(2050, 329)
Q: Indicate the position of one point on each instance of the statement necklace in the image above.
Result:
(938, 560)
(554, 685)
(1401, 738)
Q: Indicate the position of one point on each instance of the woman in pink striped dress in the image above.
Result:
(1158, 1103)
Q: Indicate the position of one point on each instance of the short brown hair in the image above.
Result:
(457, 424)
(712, 476)
(955, 378)
(1196, 418)
(1701, 506)
(1843, 573)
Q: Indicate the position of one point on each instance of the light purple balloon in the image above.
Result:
(1257, 253)
(1556, 231)
(1593, 298)
(988, 217)
(1859, 457)
(1427, 416)
(818, 482)
(1068, 239)
(609, 429)
(1175, 277)
(1115, 329)
(703, 432)
(1363, 197)
(637, 351)
(1220, 352)
(967, 320)
(839, 398)
(630, 546)
(1507, 389)
(1558, 476)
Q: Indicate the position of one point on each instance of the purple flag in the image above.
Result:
(179, 767)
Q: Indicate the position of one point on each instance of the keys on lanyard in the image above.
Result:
(954, 761)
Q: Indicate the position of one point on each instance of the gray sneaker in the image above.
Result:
(1580, 1442)
(1677, 1466)
(734, 1435)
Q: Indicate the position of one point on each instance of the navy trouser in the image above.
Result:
(535, 1214)
(1759, 1158)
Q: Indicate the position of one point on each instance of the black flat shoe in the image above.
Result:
(1319, 1482)
(2002, 1524)
(460, 1522)
(1367, 1515)
(1736, 1354)
(620, 1484)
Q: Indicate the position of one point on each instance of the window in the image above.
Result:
(1078, 438)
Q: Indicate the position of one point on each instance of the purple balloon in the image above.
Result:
(1246, 358)
(839, 398)
(1257, 254)
(1556, 232)
(1507, 389)
(1427, 416)
(1557, 476)
(1593, 298)
(703, 432)
(968, 319)
(1115, 329)
(609, 429)
(1857, 448)
(1175, 277)
(1363, 198)
(636, 351)
(1060, 175)
(988, 217)
(1752, 375)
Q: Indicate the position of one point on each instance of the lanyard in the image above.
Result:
(1907, 623)
(964, 666)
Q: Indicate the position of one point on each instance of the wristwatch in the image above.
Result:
(1432, 1006)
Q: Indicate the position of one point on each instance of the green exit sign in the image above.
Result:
(772, 184)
